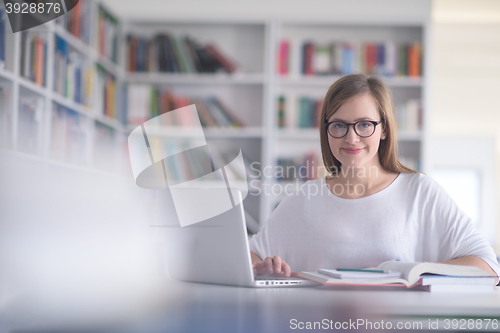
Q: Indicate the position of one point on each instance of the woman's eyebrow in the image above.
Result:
(344, 121)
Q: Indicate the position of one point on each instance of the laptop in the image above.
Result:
(217, 251)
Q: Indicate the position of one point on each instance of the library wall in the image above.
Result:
(466, 73)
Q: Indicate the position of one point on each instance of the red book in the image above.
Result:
(371, 58)
(132, 52)
(228, 65)
(309, 59)
(76, 20)
(283, 57)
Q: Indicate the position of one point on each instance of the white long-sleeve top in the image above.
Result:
(413, 219)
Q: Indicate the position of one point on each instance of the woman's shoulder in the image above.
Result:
(420, 182)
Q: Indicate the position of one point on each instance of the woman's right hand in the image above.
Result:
(272, 265)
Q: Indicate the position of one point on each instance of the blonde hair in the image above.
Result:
(356, 85)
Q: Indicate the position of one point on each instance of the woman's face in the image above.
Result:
(353, 150)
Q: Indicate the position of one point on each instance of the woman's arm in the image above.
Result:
(472, 261)
(270, 265)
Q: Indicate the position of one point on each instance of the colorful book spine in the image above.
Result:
(107, 35)
(283, 57)
(145, 102)
(172, 54)
(107, 94)
(77, 21)
(33, 57)
(73, 74)
(343, 58)
(281, 111)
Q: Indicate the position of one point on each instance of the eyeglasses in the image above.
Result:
(363, 128)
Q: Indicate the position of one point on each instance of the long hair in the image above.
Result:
(356, 85)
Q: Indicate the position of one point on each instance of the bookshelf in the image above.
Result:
(51, 110)
(95, 121)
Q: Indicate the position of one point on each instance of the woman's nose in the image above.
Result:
(351, 136)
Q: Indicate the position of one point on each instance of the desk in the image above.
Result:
(191, 307)
(234, 309)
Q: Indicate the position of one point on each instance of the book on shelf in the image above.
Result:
(74, 75)
(107, 40)
(145, 102)
(167, 53)
(106, 93)
(343, 58)
(301, 112)
(283, 57)
(33, 57)
(70, 136)
(281, 111)
(414, 274)
(5, 119)
(409, 116)
(29, 125)
(78, 21)
(2, 38)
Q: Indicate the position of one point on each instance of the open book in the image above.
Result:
(411, 274)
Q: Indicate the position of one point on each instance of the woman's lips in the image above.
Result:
(353, 150)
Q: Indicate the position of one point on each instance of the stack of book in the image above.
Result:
(2, 38)
(73, 75)
(5, 119)
(77, 21)
(171, 54)
(301, 113)
(344, 58)
(107, 35)
(70, 135)
(409, 116)
(106, 93)
(146, 102)
(433, 277)
(302, 168)
(33, 56)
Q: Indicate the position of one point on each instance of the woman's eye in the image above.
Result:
(365, 124)
(338, 125)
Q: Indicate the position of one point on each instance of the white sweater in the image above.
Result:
(413, 219)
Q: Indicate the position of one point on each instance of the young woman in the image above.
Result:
(371, 208)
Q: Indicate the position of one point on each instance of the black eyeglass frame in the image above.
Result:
(375, 123)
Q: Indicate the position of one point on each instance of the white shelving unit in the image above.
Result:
(251, 92)
(88, 116)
